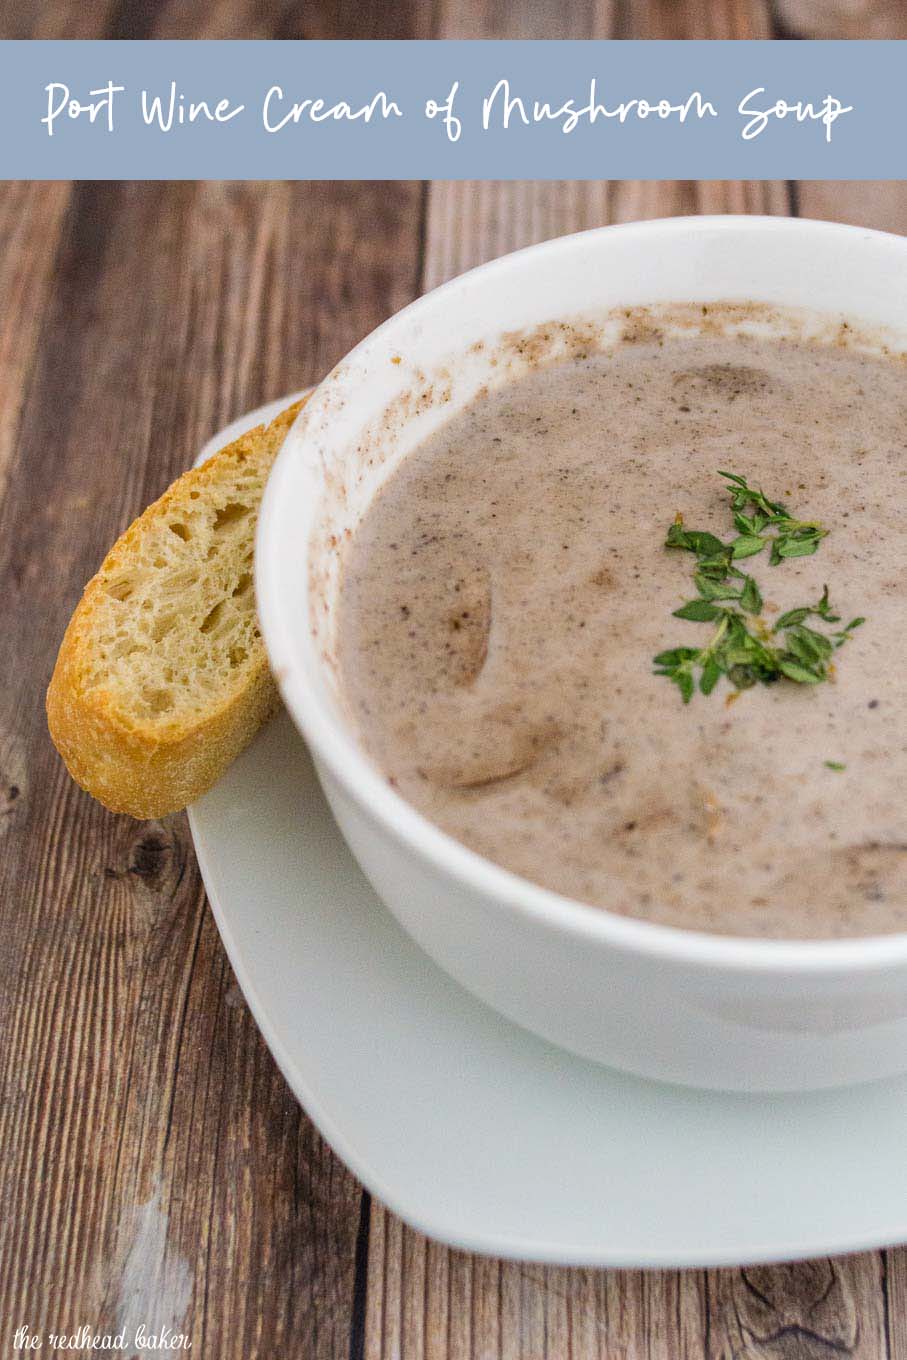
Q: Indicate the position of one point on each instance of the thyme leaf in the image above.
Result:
(792, 537)
(742, 647)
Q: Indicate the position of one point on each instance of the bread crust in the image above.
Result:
(148, 769)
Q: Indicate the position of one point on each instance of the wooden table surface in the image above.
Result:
(153, 1164)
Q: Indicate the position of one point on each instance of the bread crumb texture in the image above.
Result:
(174, 618)
(162, 675)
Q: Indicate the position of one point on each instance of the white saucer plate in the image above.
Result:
(476, 1132)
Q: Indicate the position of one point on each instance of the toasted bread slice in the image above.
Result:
(162, 677)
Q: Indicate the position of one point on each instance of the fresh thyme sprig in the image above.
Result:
(745, 654)
(792, 537)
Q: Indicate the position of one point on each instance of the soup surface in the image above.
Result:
(505, 595)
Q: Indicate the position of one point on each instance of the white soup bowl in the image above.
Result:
(676, 1005)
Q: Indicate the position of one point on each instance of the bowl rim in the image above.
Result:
(334, 743)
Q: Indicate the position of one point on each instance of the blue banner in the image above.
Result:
(453, 110)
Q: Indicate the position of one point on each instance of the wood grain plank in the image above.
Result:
(881, 204)
(226, 20)
(812, 1309)
(56, 19)
(517, 19)
(504, 1310)
(470, 221)
(231, 19)
(740, 19)
(637, 199)
(894, 1266)
(31, 219)
(841, 18)
(154, 1165)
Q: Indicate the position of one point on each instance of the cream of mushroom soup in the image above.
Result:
(504, 596)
